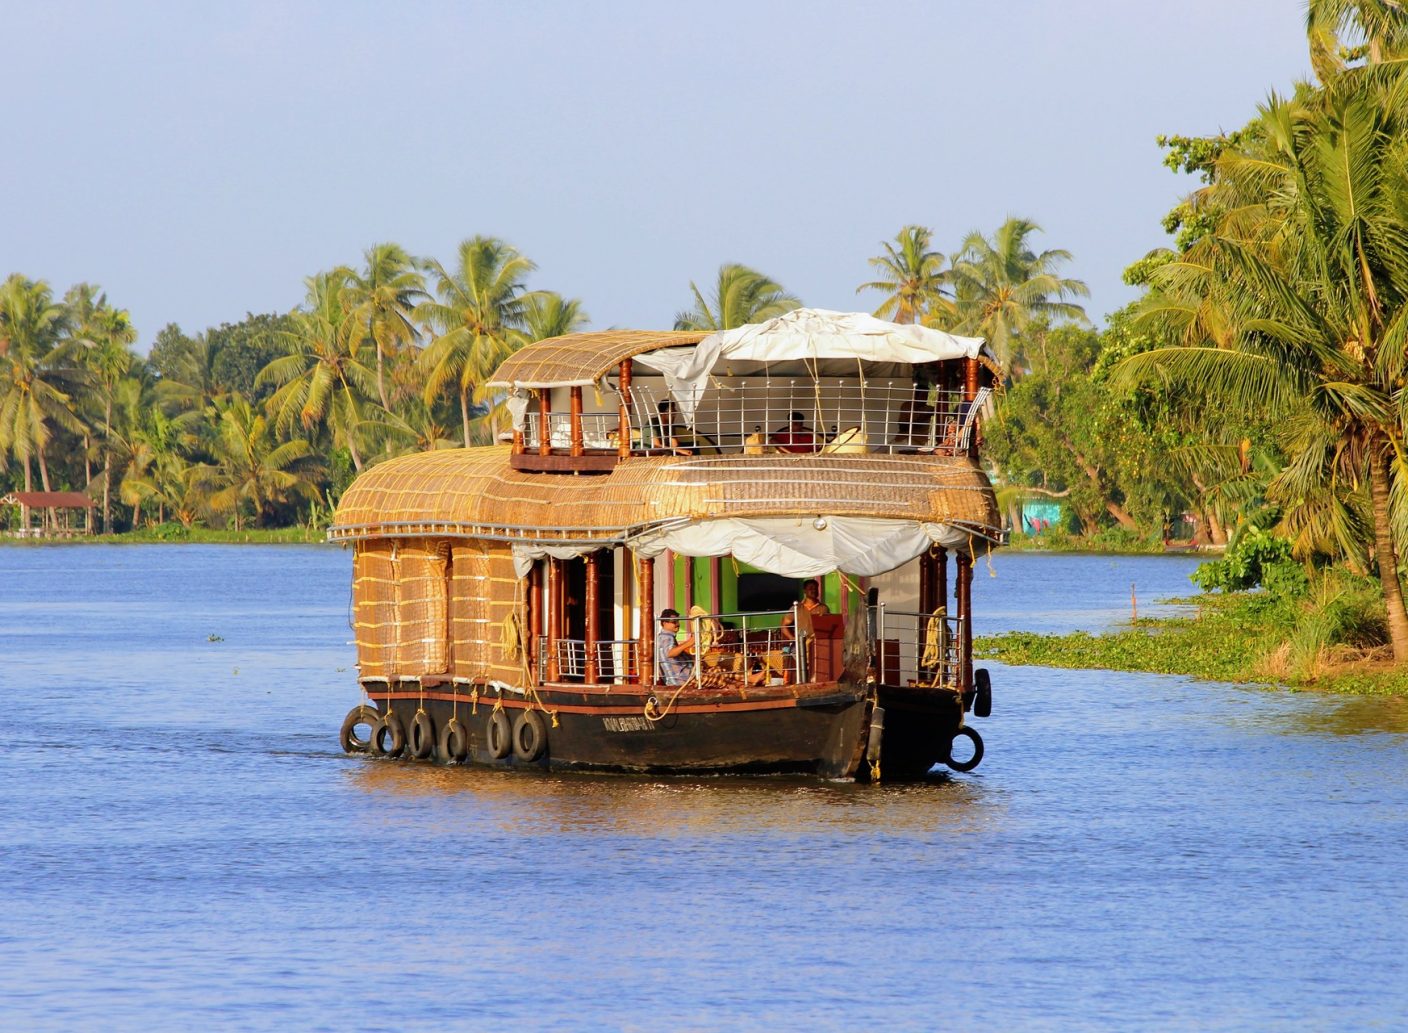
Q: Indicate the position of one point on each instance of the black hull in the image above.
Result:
(823, 734)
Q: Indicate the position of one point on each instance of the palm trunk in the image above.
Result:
(107, 464)
(28, 486)
(49, 515)
(464, 414)
(1386, 555)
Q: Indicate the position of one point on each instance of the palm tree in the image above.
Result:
(410, 428)
(251, 469)
(1311, 254)
(105, 335)
(1003, 287)
(193, 385)
(381, 300)
(324, 380)
(912, 277)
(33, 398)
(548, 314)
(741, 296)
(479, 320)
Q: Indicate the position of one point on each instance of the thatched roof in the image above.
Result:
(583, 359)
(473, 493)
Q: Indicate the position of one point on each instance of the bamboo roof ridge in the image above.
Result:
(474, 493)
(579, 360)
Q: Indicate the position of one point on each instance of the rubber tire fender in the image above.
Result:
(530, 737)
(453, 745)
(422, 736)
(973, 761)
(982, 693)
(388, 727)
(358, 715)
(500, 738)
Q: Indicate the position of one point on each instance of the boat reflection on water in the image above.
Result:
(538, 802)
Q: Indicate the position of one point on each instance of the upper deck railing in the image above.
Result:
(753, 417)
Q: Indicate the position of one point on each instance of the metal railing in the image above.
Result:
(753, 416)
(917, 649)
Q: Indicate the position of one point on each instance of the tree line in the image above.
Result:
(265, 421)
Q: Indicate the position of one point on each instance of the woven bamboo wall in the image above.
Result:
(401, 621)
(505, 598)
(471, 627)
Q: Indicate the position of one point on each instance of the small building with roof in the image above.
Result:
(57, 514)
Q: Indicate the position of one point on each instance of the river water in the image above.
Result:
(185, 846)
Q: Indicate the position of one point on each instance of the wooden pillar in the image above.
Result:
(544, 421)
(646, 602)
(554, 616)
(965, 611)
(970, 392)
(575, 421)
(626, 589)
(926, 582)
(623, 425)
(940, 575)
(593, 634)
(535, 617)
(518, 442)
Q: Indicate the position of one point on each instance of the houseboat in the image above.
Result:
(743, 551)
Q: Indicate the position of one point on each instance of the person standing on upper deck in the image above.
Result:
(795, 437)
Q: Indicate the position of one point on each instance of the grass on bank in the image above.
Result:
(1331, 638)
(173, 532)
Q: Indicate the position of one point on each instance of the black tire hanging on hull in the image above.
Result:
(388, 736)
(982, 693)
(973, 761)
(422, 738)
(530, 737)
(453, 745)
(359, 715)
(500, 737)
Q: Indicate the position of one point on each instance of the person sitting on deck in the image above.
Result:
(796, 436)
(915, 425)
(673, 659)
(670, 432)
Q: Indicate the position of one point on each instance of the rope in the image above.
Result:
(936, 644)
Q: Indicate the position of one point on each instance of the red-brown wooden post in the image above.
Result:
(970, 392)
(535, 617)
(554, 616)
(593, 617)
(518, 442)
(575, 419)
(940, 575)
(646, 602)
(544, 421)
(623, 426)
(926, 582)
(628, 630)
(965, 612)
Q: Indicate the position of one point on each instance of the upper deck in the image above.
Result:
(808, 382)
(621, 435)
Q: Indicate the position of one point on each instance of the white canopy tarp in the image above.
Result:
(790, 546)
(808, 335)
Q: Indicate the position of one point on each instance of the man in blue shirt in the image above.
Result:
(672, 658)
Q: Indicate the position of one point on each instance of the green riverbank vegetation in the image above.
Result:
(1271, 344)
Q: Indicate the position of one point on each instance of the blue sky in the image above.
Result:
(198, 161)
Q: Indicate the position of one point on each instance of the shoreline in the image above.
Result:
(166, 535)
(1231, 638)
